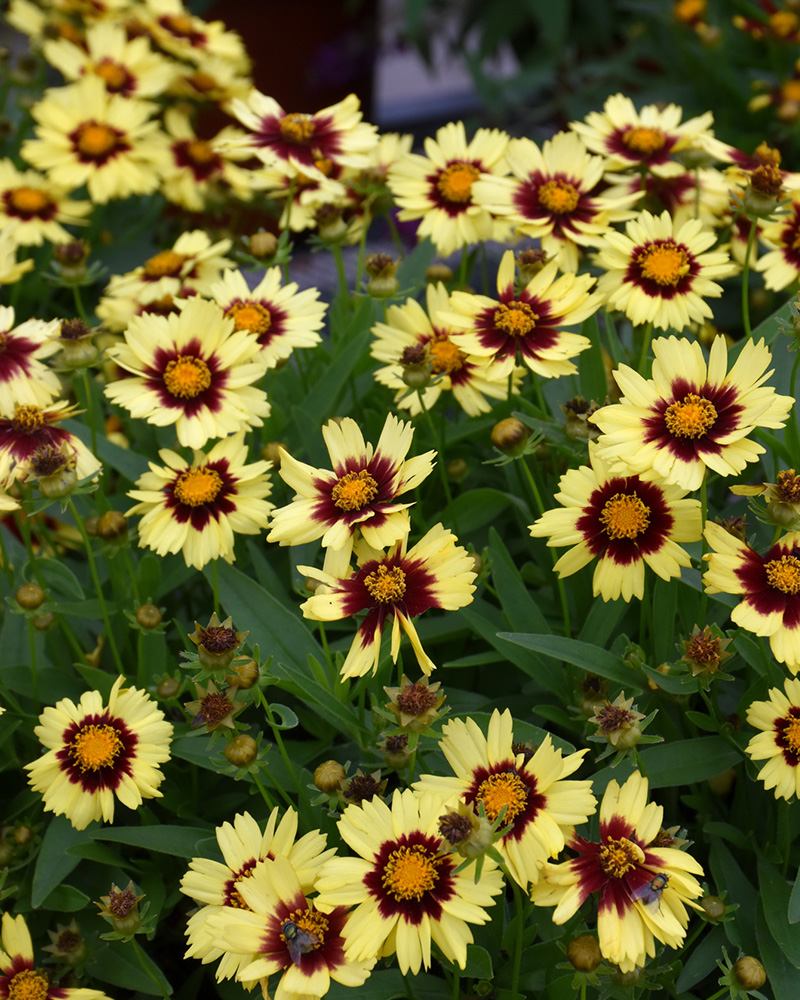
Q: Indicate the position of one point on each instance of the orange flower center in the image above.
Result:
(783, 23)
(618, 857)
(790, 90)
(624, 516)
(27, 419)
(644, 140)
(410, 872)
(784, 574)
(791, 733)
(28, 985)
(690, 417)
(235, 898)
(29, 200)
(94, 747)
(354, 491)
(664, 263)
(95, 140)
(186, 376)
(114, 75)
(202, 82)
(559, 197)
(297, 128)
(455, 182)
(198, 486)
(250, 316)
(201, 152)
(166, 264)
(445, 356)
(386, 584)
(499, 790)
(516, 319)
(180, 25)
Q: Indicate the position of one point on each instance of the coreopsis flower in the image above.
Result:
(643, 889)
(550, 196)
(780, 24)
(299, 140)
(85, 135)
(702, 193)
(359, 493)
(11, 270)
(525, 326)
(24, 380)
(281, 931)
(97, 754)
(126, 66)
(414, 335)
(405, 889)
(691, 415)
(20, 979)
(183, 35)
(437, 188)
(782, 497)
(542, 805)
(279, 317)
(435, 573)
(304, 196)
(649, 138)
(778, 743)
(655, 274)
(623, 521)
(197, 508)
(193, 370)
(40, 207)
(216, 886)
(781, 264)
(217, 81)
(770, 585)
(31, 430)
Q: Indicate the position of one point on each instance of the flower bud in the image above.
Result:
(77, 346)
(263, 244)
(328, 775)
(22, 835)
(456, 469)
(112, 526)
(67, 945)
(584, 953)
(439, 272)
(216, 642)
(749, 973)
(30, 596)
(70, 259)
(510, 436)
(271, 452)
(43, 622)
(618, 723)
(121, 908)
(241, 750)
(713, 907)
(168, 687)
(148, 616)
(530, 262)
(246, 674)
(381, 268)
(395, 750)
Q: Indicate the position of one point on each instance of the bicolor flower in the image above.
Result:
(778, 743)
(32, 429)
(781, 264)
(40, 206)
(24, 380)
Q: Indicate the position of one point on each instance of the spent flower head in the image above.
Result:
(120, 908)
(704, 650)
(415, 705)
(216, 643)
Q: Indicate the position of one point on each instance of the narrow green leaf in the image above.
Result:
(149, 576)
(519, 607)
(602, 621)
(581, 654)
(320, 699)
(114, 962)
(52, 867)
(728, 875)
(775, 894)
(665, 603)
(66, 899)
(702, 960)
(479, 963)
(477, 508)
(288, 720)
(682, 762)
(179, 841)
(590, 364)
(58, 576)
(781, 975)
(794, 902)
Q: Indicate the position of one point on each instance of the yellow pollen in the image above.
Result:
(27, 419)
(516, 319)
(311, 921)
(198, 486)
(179, 24)
(624, 516)
(410, 872)
(203, 82)
(186, 377)
(445, 356)
(499, 790)
(558, 197)
(94, 747)
(455, 182)
(784, 574)
(297, 128)
(664, 263)
(644, 141)
(201, 152)
(386, 584)
(690, 417)
(354, 491)
(618, 857)
(28, 985)
(324, 165)
(250, 316)
(783, 22)
(95, 140)
(791, 733)
(166, 264)
(29, 200)
(114, 75)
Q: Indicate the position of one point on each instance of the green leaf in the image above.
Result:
(665, 604)
(581, 654)
(288, 720)
(519, 607)
(320, 699)
(52, 867)
(682, 762)
(590, 364)
(66, 899)
(602, 621)
(149, 576)
(179, 841)
(479, 963)
(781, 975)
(775, 893)
(794, 902)
(477, 508)
(114, 962)
(59, 577)
(702, 960)
(388, 985)
(728, 875)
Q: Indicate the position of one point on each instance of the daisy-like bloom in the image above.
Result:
(218, 81)
(279, 317)
(414, 337)
(336, 133)
(24, 380)
(304, 195)
(770, 584)
(702, 193)
(217, 886)
(657, 275)
(643, 889)
(491, 770)
(360, 493)
(197, 508)
(404, 885)
(622, 521)
(648, 138)
(193, 370)
(39, 207)
(435, 573)
(437, 188)
(779, 741)
(34, 429)
(282, 932)
(549, 196)
(19, 978)
(97, 754)
(175, 30)
(781, 265)
(525, 325)
(11, 270)
(690, 414)
(106, 141)
(127, 67)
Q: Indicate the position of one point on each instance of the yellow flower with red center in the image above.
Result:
(36, 208)
(778, 743)
(24, 380)
(184, 35)
(35, 429)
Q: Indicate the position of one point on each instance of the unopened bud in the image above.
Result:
(271, 452)
(328, 775)
(584, 953)
(456, 469)
(148, 616)
(43, 622)
(168, 687)
(23, 835)
(510, 436)
(749, 973)
(713, 907)
(439, 272)
(263, 244)
(246, 674)
(241, 750)
(30, 596)
(112, 526)
(381, 268)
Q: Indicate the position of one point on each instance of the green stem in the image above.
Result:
(215, 585)
(462, 270)
(325, 647)
(34, 670)
(264, 793)
(646, 335)
(408, 988)
(520, 915)
(439, 448)
(278, 738)
(562, 592)
(583, 989)
(746, 281)
(7, 567)
(90, 409)
(338, 256)
(76, 294)
(147, 970)
(725, 991)
(456, 991)
(793, 429)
